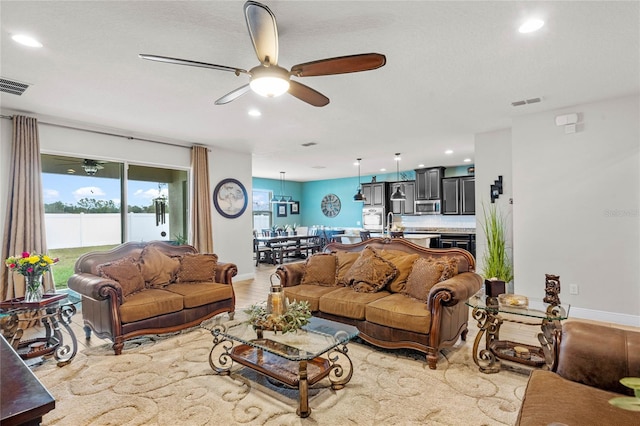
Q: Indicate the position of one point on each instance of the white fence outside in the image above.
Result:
(67, 230)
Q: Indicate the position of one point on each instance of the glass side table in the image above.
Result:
(51, 312)
(489, 313)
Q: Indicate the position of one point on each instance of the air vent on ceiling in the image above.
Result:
(12, 86)
(310, 143)
(526, 102)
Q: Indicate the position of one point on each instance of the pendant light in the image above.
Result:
(359, 197)
(398, 195)
(282, 198)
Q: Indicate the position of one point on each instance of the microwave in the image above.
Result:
(428, 207)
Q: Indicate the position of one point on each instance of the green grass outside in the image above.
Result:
(63, 269)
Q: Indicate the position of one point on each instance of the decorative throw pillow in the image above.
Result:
(424, 275)
(344, 262)
(197, 268)
(157, 268)
(320, 269)
(370, 272)
(126, 273)
(403, 262)
(450, 266)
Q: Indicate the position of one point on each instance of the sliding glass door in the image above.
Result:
(84, 206)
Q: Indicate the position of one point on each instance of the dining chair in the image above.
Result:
(365, 235)
(397, 234)
(263, 252)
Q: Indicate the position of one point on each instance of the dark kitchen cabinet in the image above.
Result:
(463, 241)
(375, 194)
(406, 207)
(428, 183)
(459, 195)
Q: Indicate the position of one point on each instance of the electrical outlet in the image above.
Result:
(573, 289)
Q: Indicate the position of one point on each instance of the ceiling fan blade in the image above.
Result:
(307, 94)
(191, 63)
(233, 95)
(340, 65)
(261, 23)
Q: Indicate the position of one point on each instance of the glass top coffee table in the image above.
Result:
(490, 314)
(297, 359)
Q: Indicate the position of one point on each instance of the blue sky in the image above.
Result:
(71, 188)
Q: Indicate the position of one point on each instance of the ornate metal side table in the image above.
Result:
(51, 312)
(490, 316)
(297, 360)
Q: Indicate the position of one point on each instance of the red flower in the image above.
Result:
(12, 265)
(29, 269)
(25, 254)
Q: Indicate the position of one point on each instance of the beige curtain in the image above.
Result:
(24, 228)
(201, 226)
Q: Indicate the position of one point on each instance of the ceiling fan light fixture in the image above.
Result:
(269, 82)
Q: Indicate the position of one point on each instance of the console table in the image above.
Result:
(52, 312)
(23, 399)
(490, 315)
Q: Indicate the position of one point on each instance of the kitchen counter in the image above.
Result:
(440, 230)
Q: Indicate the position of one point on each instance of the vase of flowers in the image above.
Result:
(32, 266)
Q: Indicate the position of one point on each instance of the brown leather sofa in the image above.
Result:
(179, 289)
(590, 361)
(389, 317)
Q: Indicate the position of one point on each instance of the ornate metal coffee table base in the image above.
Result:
(337, 367)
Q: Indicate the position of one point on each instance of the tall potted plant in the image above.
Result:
(496, 264)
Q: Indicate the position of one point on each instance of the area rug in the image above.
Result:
(167, 380)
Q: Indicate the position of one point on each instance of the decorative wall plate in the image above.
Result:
(230, 198)
(330, 205)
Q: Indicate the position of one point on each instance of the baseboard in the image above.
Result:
(603, 316)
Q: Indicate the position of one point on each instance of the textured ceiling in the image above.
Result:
(453, 69)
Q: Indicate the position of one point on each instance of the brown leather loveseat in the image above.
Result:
(398, 294)
(150, 288)
(590, 361)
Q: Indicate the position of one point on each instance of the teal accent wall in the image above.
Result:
(310, 195)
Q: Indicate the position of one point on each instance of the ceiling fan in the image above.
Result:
(269, 79)
(91, 167)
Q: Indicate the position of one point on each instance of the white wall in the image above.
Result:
(233, 238)
(493, 159)
(576, 207)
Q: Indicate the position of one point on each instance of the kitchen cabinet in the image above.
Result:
(463, 241)
(406, 207)
(459, 195)
(429, 183)
(375, 194)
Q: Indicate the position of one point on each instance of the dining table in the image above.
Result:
(290, 245)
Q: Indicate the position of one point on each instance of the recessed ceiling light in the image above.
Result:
(254, 113)
(531, 25)
(26, 40)
(448, 152)
(467, 160)
(383, 170)
(420, 165)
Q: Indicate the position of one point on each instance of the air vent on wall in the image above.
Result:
(526, 102)
(12, 86)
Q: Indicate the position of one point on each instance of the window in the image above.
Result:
(262, 216)
(84, 199)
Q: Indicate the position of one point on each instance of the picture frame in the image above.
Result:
(281, 210)
(294, 207)
(230, 198)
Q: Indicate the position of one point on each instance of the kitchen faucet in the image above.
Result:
(389, 224)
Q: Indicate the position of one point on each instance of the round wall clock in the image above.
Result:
(330, 205)
(230, 198)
